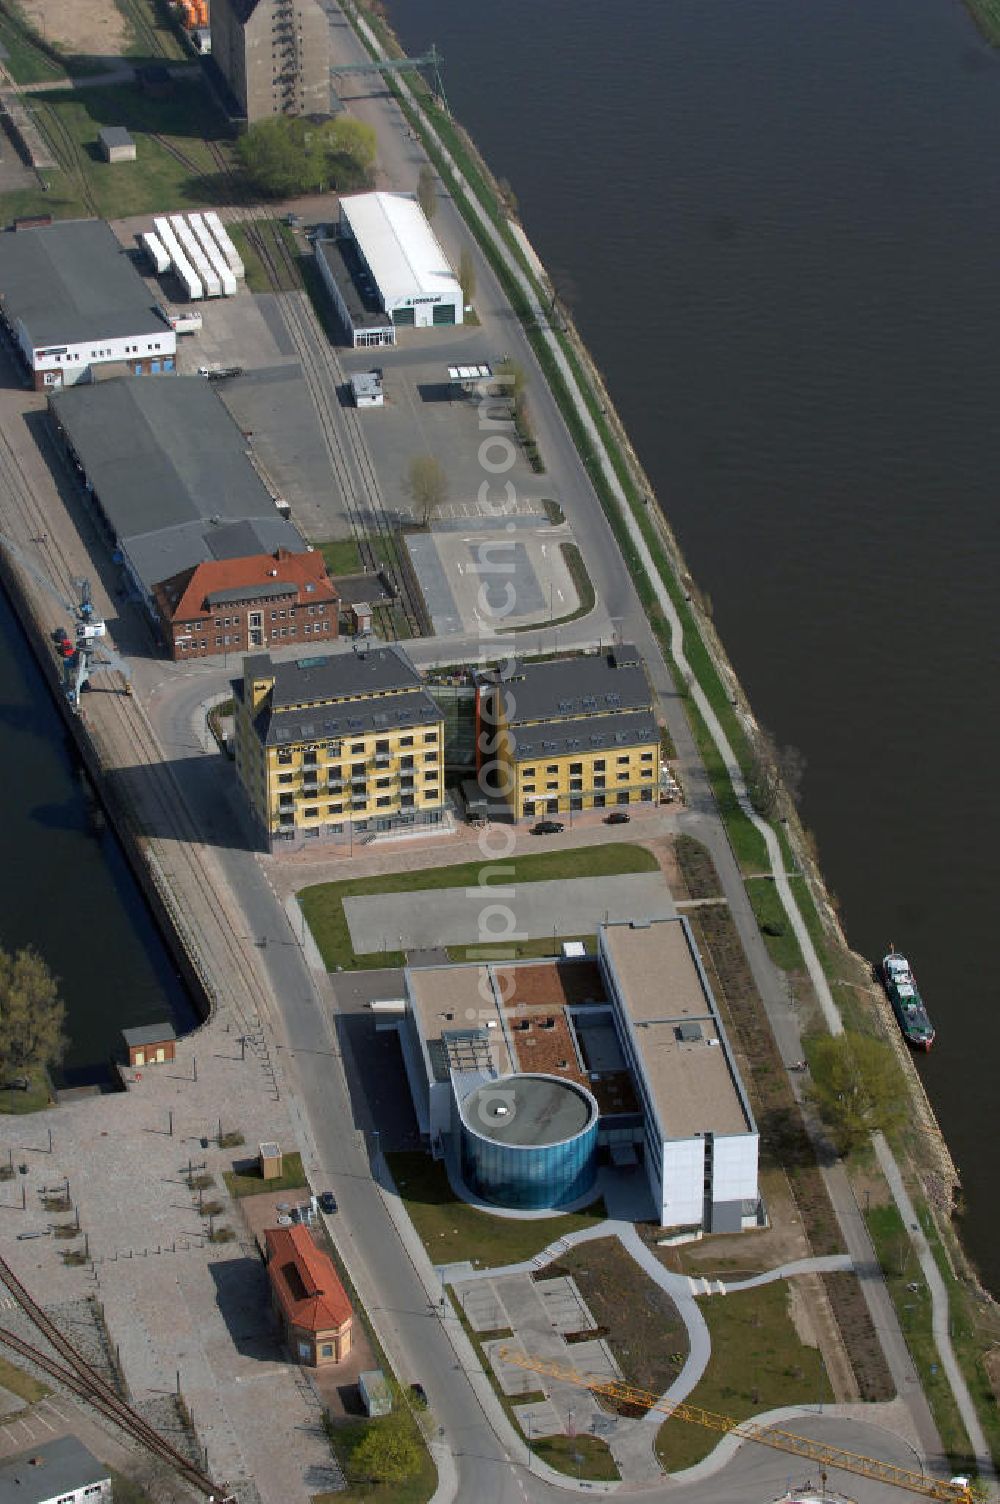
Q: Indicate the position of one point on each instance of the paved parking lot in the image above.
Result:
(423, 414)
(460, 916)
(173, 1302)
(474, 574)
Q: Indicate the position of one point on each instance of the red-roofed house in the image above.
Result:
(308, 1296)
(240, 605)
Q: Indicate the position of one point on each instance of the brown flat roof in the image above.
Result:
(686, 1061)
(528, 1001)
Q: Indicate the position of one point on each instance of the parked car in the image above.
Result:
(547, 828)
(328, 1202)
(617, 817)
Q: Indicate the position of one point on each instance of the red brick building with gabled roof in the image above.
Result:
(308, 1297)
(241, 605)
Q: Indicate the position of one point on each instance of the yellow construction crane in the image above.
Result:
(749, 1430)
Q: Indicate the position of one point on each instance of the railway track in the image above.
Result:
(378, 541)
(64, 147)
(162, 806)
(145, 32)
(85, 1382)
(188, 163)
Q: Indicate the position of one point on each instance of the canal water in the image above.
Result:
(65, 886)
(777, 226)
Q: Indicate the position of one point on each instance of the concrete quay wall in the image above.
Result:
(156, 891)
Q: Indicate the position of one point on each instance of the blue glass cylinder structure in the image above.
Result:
(529, 1142)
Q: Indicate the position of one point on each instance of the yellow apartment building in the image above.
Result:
(329, 748)
(570, 734)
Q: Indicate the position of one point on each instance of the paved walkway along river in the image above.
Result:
(817, 976)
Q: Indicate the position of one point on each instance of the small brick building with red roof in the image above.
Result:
(241, 605)
(307, 1295)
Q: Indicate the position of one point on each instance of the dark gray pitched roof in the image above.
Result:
(71, 281)
(343, 676)
(115, 135)
(48, 1470)
(149, 1034)
(603, 733)
(351, 718)
(598, 684)
(324, 696)
(199, 496)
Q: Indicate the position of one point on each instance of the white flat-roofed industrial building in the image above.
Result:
(700, 1145)
(72, 301)
(397, 266)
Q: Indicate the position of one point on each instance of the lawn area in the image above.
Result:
(252, 1183)
(774, 923)
(26, 63)
(156, 180)
(579, 1456)
(520, 950)
(163, 45)
(344, 1436)
(640, 1322)
(452, 1230)
(37, 1096)
(323, 904)
(24, 1385)
(898, 1261)
(125, 1491)
(257, 278)
(758, 1363)
(342, 555)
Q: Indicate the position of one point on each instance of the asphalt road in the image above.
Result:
(387, 1277)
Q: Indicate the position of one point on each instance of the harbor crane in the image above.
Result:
(825, 1456)
(87, 652)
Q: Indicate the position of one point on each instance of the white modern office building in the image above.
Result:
(528, 1075)
(700, 1141)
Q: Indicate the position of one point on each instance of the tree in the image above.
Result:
(32, 1014)
(467, 275)
(513, 382)
(428, 485)
(427, 190)
(387, 1453)
(773, 768)
(351, 147)
(286, 155)
(856, 1088)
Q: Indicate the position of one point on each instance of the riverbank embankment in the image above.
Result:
(723, 725)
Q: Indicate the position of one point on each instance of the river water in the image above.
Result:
(65, 886)
(777, 225)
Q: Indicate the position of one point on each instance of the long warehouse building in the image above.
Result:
(385, 269)
(170, 480)
(73, 303)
